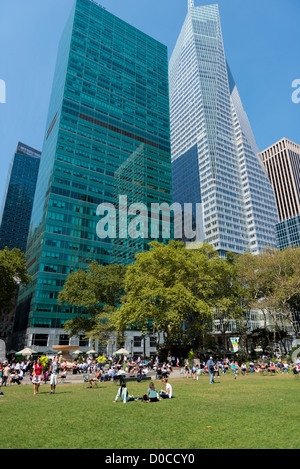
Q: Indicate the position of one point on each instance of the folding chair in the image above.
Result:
(92, 381)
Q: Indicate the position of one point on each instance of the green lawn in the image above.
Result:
(250, 412)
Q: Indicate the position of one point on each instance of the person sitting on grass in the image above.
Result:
(168, 392)
(64, 374)
(123, 394)
(152, 394)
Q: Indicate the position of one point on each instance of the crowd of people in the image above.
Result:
(117, 368)
(14, 372)
(221, 367)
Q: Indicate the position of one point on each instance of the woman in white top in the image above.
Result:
(168, 393)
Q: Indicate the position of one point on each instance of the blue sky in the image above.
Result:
(261, 39)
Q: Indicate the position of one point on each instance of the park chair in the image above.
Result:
(89, 380)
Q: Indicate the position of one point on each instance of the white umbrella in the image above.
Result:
(26, 351)
(121, 351)
(77, 352)
(92, 351)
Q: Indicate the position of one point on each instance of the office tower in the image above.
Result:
(109, 105)
(282, 163)
(214, 153)
(18, 197)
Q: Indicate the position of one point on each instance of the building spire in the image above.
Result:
(190, 4)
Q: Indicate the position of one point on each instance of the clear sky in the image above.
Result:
(261, 39)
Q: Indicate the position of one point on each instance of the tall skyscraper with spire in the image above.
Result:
(215, 159)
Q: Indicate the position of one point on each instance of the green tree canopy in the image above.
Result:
(273, 281)
(168, 289)
(13, 273)
(96, 292)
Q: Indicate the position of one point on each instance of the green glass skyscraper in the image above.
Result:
(109, 105)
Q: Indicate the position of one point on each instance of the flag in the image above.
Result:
(235, 343)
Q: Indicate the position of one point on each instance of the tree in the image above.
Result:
(166, 291)
(13, 274)
(272, 279)
(286, 290)
(96, 292)
(229, 298)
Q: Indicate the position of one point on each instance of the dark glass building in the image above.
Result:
(107, 135)
(18, 198)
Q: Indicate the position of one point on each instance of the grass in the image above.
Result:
(252, 412)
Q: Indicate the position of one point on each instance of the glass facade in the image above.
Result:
(107, 133)
(236, 201)
(18, 198)
(288, 233)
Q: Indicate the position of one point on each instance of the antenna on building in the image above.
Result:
(190, 4)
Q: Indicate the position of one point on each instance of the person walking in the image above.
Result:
(234, 368)
(5, 373)
(210, 367)
(37, 376)
(187, 369)
(54, 369)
